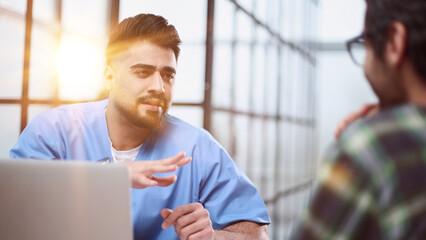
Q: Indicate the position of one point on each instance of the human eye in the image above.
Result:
(143, 73)
(169, 76)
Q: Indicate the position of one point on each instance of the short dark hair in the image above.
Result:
(142, 27)
(412, 13)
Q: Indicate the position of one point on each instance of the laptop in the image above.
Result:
(43, 200)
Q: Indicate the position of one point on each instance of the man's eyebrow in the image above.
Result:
(145, 66)
(151, 67)
(169, 69)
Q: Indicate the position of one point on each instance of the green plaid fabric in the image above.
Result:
(373, 182)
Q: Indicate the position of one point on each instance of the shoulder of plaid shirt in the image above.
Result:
(372, 184)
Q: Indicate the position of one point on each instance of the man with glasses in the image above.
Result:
(373, 184)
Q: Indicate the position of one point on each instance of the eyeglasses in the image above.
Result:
(356, 49)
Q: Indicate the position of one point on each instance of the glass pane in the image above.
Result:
(269, 156)
(44, 11)
(81, 54)
(43, 74)
(16, 6)
(287, 149)
(293, 80)
(222, 75)
(223, 20)
(221, 128)
(10, 123)
(256, 154)
(287, 18)
(244, 27)
(189, 85)
(273, 14)
(259, 77)
(298, 87)
(241, 151)
(35, 109)
(304, 90)
(246, 4)
(86, 18)
(192, 115)
(287, 81)
(271, 80)
(188, 16)
(260, 10)
(242, 77)
(12, 43)
(297, 22)
(80, 64)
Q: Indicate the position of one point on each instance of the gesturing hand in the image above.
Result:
(142, 172)
(190, 221)
(366, 110)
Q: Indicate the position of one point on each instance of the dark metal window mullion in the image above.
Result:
(208, 79)
(56, 99)
(27, 58)
(114, 12)
(232, 137)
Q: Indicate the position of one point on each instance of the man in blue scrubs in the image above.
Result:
(207, 197)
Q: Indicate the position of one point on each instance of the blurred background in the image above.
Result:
(270, 79)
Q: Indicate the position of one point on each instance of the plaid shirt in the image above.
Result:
(374, 184)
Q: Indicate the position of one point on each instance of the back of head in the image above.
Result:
(142, 27)
(412, 13)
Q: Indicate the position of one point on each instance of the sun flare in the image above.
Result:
(80, 65)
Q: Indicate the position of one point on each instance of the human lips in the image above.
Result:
(155, 105)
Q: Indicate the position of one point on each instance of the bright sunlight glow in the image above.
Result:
(80, 65)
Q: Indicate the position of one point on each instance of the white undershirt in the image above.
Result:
(125, 156)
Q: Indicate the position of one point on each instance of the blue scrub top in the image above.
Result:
(79, 131)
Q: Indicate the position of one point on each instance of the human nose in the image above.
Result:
(157, 85)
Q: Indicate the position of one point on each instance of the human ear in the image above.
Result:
(109, 77)
(396, 44)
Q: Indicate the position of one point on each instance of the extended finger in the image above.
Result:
(178, 160)
(156, 167)
(346, 122)
(178, 212)
(165, 212)
(172, 160)
(141, 181)
(165, 181)
(367, 108)
(183, 161)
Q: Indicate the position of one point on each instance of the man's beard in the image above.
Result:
(150, 120)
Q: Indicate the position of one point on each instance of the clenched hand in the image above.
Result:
(190, 221)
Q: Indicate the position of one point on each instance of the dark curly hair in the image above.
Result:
(412, 13)
(142, 27)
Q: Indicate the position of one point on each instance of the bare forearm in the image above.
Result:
(243, 230)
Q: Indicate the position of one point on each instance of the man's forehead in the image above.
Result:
(147, 53)
(148, 50)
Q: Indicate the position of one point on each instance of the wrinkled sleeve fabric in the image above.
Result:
(225, 191)
(39, 140)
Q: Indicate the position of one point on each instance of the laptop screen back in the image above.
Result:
(64, 200)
